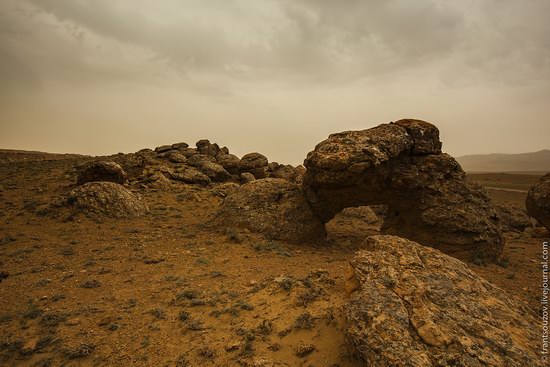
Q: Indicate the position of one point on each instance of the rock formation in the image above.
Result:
(205, 164)
(401, 165)
(107, 199)
(538, 201)
(414, 306)
(273, 207)
(101, 171)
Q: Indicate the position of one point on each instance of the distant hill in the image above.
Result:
(498, 162)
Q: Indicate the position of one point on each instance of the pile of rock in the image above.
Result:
(100, 191)
(208, 163)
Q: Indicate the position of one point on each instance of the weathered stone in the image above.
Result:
(191, 175)
(286, 172)
(254, 163)
(101, 171)
(198, 160)
(176, 157)
(188, 152)
(107, 198)
(538, 201)
(425, 136)
(246, 177)
(512, 218)
(400, 165)
(215, 171)
(163, 148)
(414, 306)
(205, 147)
(180, 146)
(273, 207)
(230, 162)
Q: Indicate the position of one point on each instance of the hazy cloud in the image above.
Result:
(229, 67)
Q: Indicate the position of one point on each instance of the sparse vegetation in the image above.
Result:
(166, 289)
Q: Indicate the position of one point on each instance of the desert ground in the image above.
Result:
(169, 289)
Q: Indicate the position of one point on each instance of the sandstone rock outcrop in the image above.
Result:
(101, 171)
(273, 207)
(538, 201)
(401, 165)
(415, 306)
(107, 199)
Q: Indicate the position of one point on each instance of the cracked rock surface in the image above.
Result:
(412, 305)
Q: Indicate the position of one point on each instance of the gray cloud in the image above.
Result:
(285, 65)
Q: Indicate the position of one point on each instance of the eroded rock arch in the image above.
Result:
(401, 165)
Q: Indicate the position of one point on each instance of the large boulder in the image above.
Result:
(273, 207)
(101, 171)
(401, 165)
(107, 199)
(538, 201)
(412, 305)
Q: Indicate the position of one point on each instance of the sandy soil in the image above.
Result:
(170, 290)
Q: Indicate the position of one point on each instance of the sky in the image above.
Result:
(272, 76)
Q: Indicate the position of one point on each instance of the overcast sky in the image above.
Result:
(273, 76)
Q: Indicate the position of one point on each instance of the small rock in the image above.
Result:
(304, 349)
(73, 321)
(176, 157)
(232, 346)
